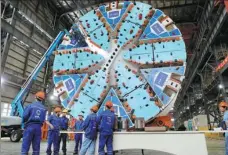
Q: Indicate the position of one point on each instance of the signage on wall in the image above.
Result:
(69, 84)
(157, 28)
(222, 64)
(161, 78)
(113, 14)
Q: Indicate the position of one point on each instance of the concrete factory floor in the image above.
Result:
(215, 147)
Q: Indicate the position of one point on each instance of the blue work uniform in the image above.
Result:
(106, 121)
(78, 136)
(225, 118)
(90, 128)
(63, 136)
(33, 119)
(53, 134)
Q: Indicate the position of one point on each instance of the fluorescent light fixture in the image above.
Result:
(2, 80)
(52, 97)
(37, 52)
(220, 86)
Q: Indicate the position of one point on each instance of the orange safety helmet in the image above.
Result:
(57, 109)
(94, 108)
(109, 104)
(40, 95)
(223, 104)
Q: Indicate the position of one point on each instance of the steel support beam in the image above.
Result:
(4, 9)
(210, 38)
(7, 42)
(206, 62)
(177, 6)
(205, 101)
(5, 26)
(220, 78)
(76, 8)
(45, 25)
(27, 54)
(26, 63)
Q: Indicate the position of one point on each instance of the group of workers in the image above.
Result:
(35, 114)
(34, 117)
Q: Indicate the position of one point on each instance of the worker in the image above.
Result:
(33, 119)
(223, 109)
(54, 123)
(64, 126)
(106, 122)
(112, 109)
(78, 136)
(90, 128)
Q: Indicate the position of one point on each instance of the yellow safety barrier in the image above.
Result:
(212, 135)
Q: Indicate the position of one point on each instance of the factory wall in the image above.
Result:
(8, 97)
(21, 59)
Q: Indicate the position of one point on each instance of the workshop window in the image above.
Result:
(5, 109)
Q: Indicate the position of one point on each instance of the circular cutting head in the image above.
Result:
(128, 53)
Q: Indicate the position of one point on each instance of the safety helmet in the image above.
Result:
(57, 109)
(80, 114)
(133, 117)
(109, 104)
(223, 104)
(65, 111)
(40, 95)
(94, 108)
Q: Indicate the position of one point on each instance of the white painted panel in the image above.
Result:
(18, 49)
(31, 63)
(16, 55)
(30, 69)
(11, 71)
(10, 93)
(40, 39)
(35, 59)
(15, 62)
(39, 78)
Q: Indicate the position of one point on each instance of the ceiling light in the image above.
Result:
(2, 80)
(52, 97)
(220, 86)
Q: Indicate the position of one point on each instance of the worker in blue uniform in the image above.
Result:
(78, 136)
(223, 109)
(64, 126)
(106, 122)
(33, 119)
(54, 123)
(90, 128)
